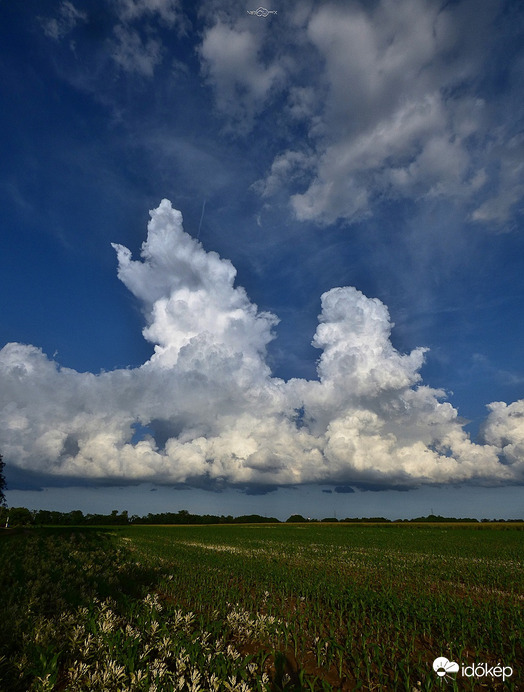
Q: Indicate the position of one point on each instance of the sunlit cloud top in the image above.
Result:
(213, 413)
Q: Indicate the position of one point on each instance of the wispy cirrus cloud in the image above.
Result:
(367, 103)
(133, 53)
(134, 42)
(400, 111)
(231, 63)
(391, 98)
(169, 11)
(66, 19)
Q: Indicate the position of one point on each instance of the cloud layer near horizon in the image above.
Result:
(213, 414)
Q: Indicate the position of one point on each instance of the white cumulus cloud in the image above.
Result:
(211, 409)
(504, 428)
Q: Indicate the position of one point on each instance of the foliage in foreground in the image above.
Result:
(256, 608)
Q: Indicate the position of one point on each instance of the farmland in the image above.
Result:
(274, 607)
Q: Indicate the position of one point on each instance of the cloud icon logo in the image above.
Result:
(442, 666)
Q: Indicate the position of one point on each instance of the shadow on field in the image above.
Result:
(48, 572)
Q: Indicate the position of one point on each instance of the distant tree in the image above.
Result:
(3, 484)
(255, 519)
(295, 518)
(48, 517)
(20, 516)
(74, 518)
(184, 517)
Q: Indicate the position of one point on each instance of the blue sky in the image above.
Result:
(328, 297)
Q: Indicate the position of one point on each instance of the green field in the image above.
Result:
(274, 607)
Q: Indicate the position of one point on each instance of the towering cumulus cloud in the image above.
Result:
(213, 413)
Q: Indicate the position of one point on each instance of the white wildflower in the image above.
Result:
(232, 652)
(214, 683)
(137, 677)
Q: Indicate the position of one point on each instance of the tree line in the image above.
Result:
(21, 516)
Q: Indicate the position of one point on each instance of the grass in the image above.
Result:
(280, 607)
